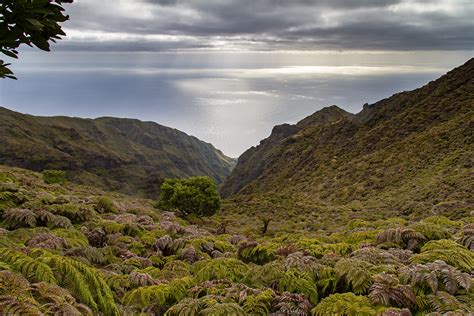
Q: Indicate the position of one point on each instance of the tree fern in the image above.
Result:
(300, 261)
(6, 242)
(294, 281)
(77, 213)
(16, 217)
(43, 217)
(47, 241)
(436, 276)
(59, 221)
(30, 268)
(258, 304)
(326, 280)
(84, 281)
(223, 309)
(356, 274)
(404, 237)
(387, 291)
(186, 307)
(174, 269)
(443, 302)
(139, 279)
(91, 254)
(73, 237)
(12, 283)
(164, 295)
(467, 237)
(57, 300)
(257, 253)
(19, 305)
(210, 288)
(375, 256)
(431, 231)
(220, 268)
(15, 298)
(448, 251)
(267, 275)
(291, 304)
(346, 304)
(7, 200)
(105, 205)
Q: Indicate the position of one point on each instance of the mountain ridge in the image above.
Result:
(407, 145)
(125, 155)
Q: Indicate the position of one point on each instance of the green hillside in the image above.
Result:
(123, 155)
(409, 155)
(76, 250)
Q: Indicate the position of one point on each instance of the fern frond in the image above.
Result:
(259, 304)
(292, 304)
(164, 295)
(301, 262)
(138, 279)
(387, 291)
(186, 307)
(59, 221)
(257, 253)
(344, 305)
(224, 309)
(84, 281)
(73, 237)
(356, 274)
(443, 302)
(16, 217)
(220, 268)
(58, 300)
(77, 213)
(448, 251)
(375, 256)
(294, 281)
(12, 283)
(30, 268)
(431, 231)
(174, 269)
(19, 305)
(267, 275)
(436, 276)
(404, 237)
(47, 241)
(92, 254)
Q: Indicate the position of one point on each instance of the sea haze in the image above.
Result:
(230, 99)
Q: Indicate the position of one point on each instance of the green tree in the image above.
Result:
(30, 22)
(195, 195)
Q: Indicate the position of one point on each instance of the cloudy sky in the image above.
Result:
(226, 71)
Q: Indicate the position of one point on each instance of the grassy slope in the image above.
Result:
(408, 155)
(118, 154)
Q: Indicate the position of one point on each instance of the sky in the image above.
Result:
(227, 71)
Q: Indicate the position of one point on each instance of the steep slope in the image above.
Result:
(255, 161)
(410, 154)
(117, 154)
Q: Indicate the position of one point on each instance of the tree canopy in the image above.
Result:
(194, 195)
(30, 22)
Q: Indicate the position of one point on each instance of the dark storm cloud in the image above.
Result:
(273, 24)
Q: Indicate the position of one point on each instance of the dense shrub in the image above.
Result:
(195, 195)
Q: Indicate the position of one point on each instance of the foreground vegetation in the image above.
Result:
(69, 249)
